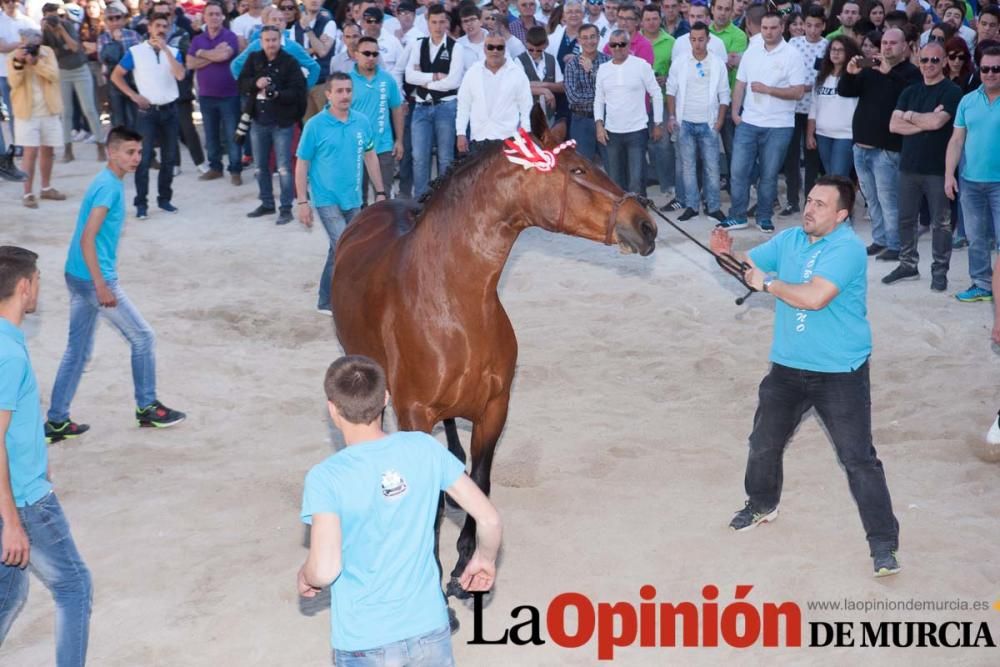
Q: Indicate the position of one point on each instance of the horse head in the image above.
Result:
(575, 196)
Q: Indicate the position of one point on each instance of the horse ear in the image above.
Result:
(555, 136)
(539, 126)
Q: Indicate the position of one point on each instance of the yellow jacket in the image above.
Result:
(44, 73)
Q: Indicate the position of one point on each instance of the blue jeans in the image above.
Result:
(980, 203)
(433, 125)
(661, 158)
(700, 140)
(83, 312)
(430, 650)
(583, 130)
(55, 560)
(766, 146)
(843, 405)
(219, 116)
(878, 175)
(837, 155)
(334, 222)
(157, 124)
(263, 138)
(627, 159)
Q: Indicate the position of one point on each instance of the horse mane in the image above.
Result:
(460, 166)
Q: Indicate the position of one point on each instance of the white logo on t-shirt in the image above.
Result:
(393, 484)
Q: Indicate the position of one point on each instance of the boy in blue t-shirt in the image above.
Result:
(372, 509)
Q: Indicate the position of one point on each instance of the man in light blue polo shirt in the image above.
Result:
(977, 137)
(92, 280)
(377, 98)
(336, 146)
(819, 359)
(33, 528)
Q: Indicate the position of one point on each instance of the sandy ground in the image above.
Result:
(621, 465)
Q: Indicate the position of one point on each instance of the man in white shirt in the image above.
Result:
(12, 21)
(620, 113)
(770, 80)
(682, 47)
(495, 97)
(156, 69)
(697, 100)
(474, 39)
(245, 24)
(407, 31)
(434, 70)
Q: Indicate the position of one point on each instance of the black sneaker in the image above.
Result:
(64, 430)
(688, 214)
(888, 255)
(9, 171)
(747, 517)
(789, 210)
(284, 217)
(672, 205)
(718, 215)
(158, 415)
(939, 283)
(885, 563)
(901, 272)
(875, 249)
(261, 211)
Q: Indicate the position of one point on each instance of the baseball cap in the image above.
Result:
(375, 13)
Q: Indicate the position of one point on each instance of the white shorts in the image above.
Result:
(42, 131)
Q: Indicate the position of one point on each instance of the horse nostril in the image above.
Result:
(648, 230)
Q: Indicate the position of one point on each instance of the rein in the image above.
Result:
(726, 261)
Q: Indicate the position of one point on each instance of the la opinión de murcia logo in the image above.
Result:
(572, 620)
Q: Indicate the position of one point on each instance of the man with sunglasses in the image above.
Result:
(620, 113)
(494, 98)
(377, 97)
(923, 117)
(390, 49)
(112, 45)
(594, 15)
(976, 143)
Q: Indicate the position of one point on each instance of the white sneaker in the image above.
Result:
(91, 139)
(325, 311)
(203, 168)
(993, 435)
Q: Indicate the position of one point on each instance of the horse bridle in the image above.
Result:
(617, 203)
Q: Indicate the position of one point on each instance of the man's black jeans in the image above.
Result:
(843, 404)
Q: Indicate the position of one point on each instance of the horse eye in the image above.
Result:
(577, 171)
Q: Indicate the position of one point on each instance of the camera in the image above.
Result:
(31, 50)
(242, 128)
(271, 91)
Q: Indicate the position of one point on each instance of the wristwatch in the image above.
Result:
(767, 283)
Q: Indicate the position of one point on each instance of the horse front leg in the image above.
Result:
(485, 434)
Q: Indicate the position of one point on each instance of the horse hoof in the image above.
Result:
(456, 591)
(453, 620)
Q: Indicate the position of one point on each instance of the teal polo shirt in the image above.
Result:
(105, 190)
(375, 99)
(981, 121)
(736, 42)
(336, 151)
(836, 338)
(27, 457)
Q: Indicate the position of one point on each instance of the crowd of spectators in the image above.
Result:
(694, 99)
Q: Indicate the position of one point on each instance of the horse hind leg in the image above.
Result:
(455, 447)
(485, 434)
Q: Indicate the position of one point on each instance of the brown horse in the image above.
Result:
(416, 290)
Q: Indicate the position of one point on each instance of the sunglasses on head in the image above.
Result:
(930, 59)
(369, 54)
(496, 47)
(990, 69)
(617, 45)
